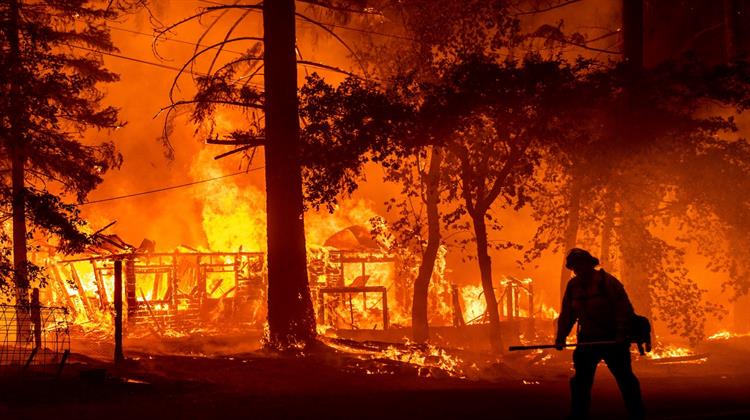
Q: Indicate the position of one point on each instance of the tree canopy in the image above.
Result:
(50, 81)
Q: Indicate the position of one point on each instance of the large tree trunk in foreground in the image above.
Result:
(420, 324)
(290, 313)
(485, 269)
(570, 237)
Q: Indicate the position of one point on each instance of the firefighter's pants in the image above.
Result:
(617, 358)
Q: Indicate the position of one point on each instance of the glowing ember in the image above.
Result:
(675, 354)
(726, 335)
(430, 357)
(669, 351)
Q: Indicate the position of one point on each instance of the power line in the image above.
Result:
(173, 187)
(137, 60)
(333, 25)
(305, 65)
(150, 63)
(179, 41)
(370, 32)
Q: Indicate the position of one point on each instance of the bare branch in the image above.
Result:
(253, 74)
(226, 38)
(327, 67)
(338, 38)
(547, 9)
(235, 62)
(466, 175)
(231, 152)
(191, 102)
(606, 35)
(586, 47)
(341, 8)
(198, 54)
(579, 45)
(499, 184)
(208, 29)
(250, 140)
(202, 13)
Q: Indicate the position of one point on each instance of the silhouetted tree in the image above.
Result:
(495, 120)
(635, 164)
(357, 122)
(491, 120)
(50, 95)
(433, 34)
(290, 313)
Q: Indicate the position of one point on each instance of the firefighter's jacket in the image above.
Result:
(601, 307)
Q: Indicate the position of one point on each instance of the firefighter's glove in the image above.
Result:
(559, 344)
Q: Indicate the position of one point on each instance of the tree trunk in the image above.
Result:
(291, 319)
(634, 234)
(731, 11)
(732, 8)
(632, 24)
(607, 226)
(20, 258)
(18, 160)
(570, 237)
(419, 319)
(485, 270)
(634, 247)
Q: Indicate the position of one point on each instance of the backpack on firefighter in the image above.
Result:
(639, 332)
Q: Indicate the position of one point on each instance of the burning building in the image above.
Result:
(357, 283)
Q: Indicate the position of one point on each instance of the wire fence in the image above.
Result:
(33, 338)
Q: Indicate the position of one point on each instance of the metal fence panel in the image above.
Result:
(33, 338)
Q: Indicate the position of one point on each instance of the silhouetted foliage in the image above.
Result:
(345, 126)
(492, 119)
(641, 165)
(50, 86)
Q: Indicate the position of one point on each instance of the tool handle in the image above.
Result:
(552, 346)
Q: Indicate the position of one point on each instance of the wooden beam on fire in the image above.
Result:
(81, 292)
(58, 281)
(119, 355)
(126, 255)
(100, 289)
(151, 314)
(679, 359)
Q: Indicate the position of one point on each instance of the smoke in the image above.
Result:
(202, 215)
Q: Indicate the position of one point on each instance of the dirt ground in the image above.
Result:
(336, 381)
